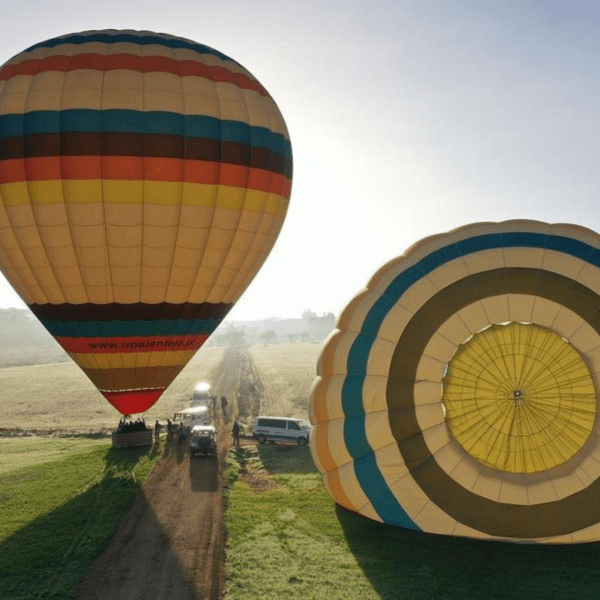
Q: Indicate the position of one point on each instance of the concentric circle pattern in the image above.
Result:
(458, 394)
(519, 398)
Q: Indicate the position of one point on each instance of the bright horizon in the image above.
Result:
(407, 119)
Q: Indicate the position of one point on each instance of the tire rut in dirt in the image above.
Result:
(171, 544)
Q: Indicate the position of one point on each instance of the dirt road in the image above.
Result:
(171, 544)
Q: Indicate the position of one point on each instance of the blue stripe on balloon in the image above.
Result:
(387, 505)
(121, 36)
(130, 328)
(134, 121)
(367, 472)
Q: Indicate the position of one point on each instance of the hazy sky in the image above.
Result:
(407, 118)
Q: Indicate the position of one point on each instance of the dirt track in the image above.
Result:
(171, 544)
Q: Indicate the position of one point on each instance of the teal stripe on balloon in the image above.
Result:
(109, 329)
(135, 121)
(123, 36)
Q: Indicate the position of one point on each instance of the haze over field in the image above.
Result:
(407, 118)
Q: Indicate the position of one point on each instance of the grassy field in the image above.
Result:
(60, 501)
(61, 397)
(287, 539)
(287, 372)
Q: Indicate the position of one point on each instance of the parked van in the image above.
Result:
(281, 429)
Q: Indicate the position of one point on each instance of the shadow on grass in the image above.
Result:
(404, 564)
(49, 556)
(279, 458)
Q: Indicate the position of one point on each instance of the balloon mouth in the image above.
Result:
(519, 398)
(129, 402)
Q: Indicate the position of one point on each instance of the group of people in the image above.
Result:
(126, 426)
(173, 430)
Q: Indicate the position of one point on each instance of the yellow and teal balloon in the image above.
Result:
(144, 179)
(459, 392)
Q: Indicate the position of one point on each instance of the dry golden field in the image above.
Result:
(287, 372)
(59, 397)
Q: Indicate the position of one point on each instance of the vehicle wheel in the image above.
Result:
(261, 439)
(302, 441)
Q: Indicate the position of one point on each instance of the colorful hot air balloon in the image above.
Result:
(459, 394)
(144, 179)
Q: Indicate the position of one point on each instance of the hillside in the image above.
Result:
(24, 341)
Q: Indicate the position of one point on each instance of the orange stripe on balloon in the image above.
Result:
(320, 437)
(129, 62)
(133, 168)
(119, 345)
(338, 492)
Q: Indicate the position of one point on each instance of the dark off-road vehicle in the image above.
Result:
(203, 441)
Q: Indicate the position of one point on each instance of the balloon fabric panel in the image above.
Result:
(487, 424)
(143, 181)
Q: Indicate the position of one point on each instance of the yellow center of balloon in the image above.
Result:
(519, 398)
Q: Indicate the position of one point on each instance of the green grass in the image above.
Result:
(20, 452)
(287, 539)
(59, 513)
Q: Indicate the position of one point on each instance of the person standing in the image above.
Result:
(224, 405)
(157, 428)
(236, 433)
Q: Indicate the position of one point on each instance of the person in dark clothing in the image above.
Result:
(236, 433)
(181, 434)
(157, 428)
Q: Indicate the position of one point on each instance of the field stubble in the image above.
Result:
(60, 398)
(286, 373)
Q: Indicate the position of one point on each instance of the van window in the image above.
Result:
(279, 423)
(293, 425)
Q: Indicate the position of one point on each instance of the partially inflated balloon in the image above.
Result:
(459, 394)
(144, 179)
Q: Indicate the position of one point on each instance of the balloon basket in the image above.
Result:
(135, 438)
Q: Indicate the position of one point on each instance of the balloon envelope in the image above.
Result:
(458, 394)
(144, 179)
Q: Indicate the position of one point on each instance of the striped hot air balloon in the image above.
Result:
(144, 179)
(459, 394)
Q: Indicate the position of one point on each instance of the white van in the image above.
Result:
(190, 417)
(281, 429)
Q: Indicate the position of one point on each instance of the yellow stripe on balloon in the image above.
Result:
(162, 193)
(132, 359)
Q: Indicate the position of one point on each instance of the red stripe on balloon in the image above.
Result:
(130, 62)
(132, 168)
(85, 345)
(131, 402)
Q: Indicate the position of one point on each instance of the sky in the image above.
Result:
(407, 118)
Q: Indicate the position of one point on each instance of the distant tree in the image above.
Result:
(232, 337)
(309, 315)
(305, 336)
(292, 338)
(269, 337)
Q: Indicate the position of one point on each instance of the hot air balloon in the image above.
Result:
(459, 393)
(144, 179)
